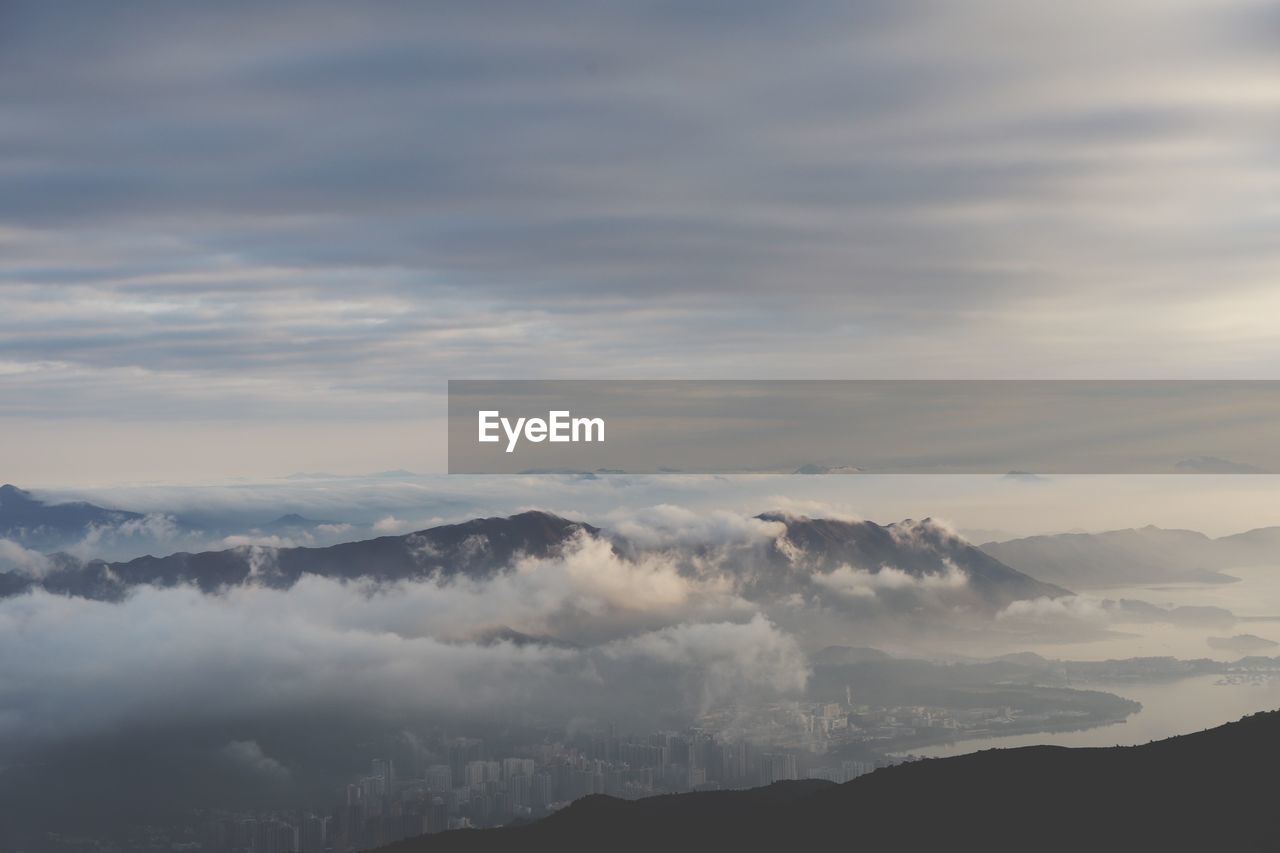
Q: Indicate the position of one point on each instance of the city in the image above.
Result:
(447, 782)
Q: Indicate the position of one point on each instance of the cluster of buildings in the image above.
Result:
(471, 788)
(815, 729)
(460, 782)
(466, 785)
(286, 832)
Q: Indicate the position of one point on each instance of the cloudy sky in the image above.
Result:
(247, 239)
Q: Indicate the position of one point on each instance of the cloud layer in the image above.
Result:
(317, 226)
(593, 635)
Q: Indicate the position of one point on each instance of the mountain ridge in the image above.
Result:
(918, 548)
(37, 524)
(1200, 791)
(1137, 555)
(812, 556)
(477, 547)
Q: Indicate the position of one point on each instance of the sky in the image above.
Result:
(249, 239)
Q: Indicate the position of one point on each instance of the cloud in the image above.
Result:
(925, 534)
(587, 594)
(1089, 609)
(390, 525)
(248, 755)
(15, 558)
(861, 583)
(1064, 608)
(334, 529)
(100, 540)
(668, 525)
(264, 540)
(722, 658)
(619, 638)
(621, 191)
(793, 504)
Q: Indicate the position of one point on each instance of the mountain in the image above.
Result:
(394, 474)
(1215, 465)
(41, 526)
(1258, 547)
(827, 469)
(897, 563)
(1213, 790)
(845, 655)
(919, 549)
(291, 523)
(1143, 555)
(1243, 644)
(476, 548)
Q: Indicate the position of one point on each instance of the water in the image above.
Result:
(1255, 600)
(1168, 709)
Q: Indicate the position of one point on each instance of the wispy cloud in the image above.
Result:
(359, 201)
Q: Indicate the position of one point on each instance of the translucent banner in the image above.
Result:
(863, 426)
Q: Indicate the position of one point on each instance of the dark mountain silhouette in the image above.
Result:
(1143, 555)
(37, 525)
(919, 548)
(476, 548)
(1213, 790)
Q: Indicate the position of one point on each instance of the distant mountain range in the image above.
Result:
(394, 474)
(1213, 790)
(1137, 556)
(1004, 570)
(810, 557)
(40, 526)
(918, 548)
(476, 548)
(291, 523)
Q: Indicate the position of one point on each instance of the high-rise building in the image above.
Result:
(512, 767)
(439, 778)
(777, 767)
(313, 834)
(384, 769)
(477, 773)
(462, 751)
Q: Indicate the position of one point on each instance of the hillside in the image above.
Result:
(38, 525)
(1213, 790)
(808, 557)
(917, 548)
(477, 548)
(1137, 556)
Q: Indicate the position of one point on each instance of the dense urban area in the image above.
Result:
(458, 782)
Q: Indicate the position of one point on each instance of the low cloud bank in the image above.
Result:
(603, 637)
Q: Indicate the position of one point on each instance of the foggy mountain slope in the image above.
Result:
(920, 549)
(904, 565)
(1260, 546)
(34, 524)
(1209, 790)
(476, 548)
(291, 522)
(1141, 555)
